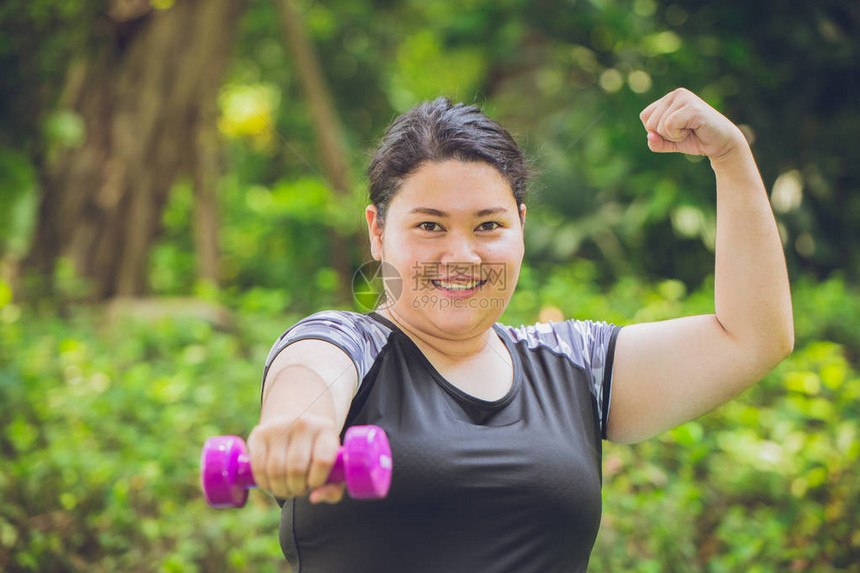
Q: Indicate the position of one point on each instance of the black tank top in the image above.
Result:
(511, 485)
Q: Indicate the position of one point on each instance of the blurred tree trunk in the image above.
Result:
(327, 129)
(206, 171)
(146, 101)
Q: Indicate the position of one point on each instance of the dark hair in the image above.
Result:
(436, 131)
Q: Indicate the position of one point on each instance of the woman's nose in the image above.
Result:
(460, 249)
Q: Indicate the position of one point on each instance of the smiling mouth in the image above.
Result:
(458, 286)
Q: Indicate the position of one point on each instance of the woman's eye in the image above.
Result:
(431, 226)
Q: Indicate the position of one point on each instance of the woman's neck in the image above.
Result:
(454, 350)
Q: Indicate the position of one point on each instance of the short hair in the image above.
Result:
(436, 131)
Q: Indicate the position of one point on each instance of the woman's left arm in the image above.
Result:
(667, 373)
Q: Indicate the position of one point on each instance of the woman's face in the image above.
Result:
(453, 234)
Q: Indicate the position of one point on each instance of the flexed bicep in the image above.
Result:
(667, 373)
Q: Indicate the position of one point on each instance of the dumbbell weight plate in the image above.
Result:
(367, 462)
(219, 464)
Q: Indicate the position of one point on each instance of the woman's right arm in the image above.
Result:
(307, 393)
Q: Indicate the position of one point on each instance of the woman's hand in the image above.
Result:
(682, 122)
(291, 456)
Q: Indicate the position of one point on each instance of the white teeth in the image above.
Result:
(456, 286)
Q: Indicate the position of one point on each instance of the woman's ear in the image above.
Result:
(375, 231)
(523, 213)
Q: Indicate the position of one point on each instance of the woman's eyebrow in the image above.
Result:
(438, 213)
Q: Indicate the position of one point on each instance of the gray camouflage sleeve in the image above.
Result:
(591, 344)
(359, 336)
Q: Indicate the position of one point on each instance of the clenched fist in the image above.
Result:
(682, 122)
(292, 456)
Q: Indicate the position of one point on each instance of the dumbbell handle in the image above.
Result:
(245, 477)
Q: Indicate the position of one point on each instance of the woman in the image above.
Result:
(496, 431)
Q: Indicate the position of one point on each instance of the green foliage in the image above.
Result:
(101, 436)
(767, 482)
(568, 80)
(17, 201)
(102, 420)
(424, 70)
(275, 244)
(38, 41)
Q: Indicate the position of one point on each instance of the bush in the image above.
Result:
(101, 436)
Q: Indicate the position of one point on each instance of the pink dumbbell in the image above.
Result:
(364, 462)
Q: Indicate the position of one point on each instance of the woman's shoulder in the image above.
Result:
(345, 322)
(332, 315)
(559, 334)
(587, 344)
(360, 336)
